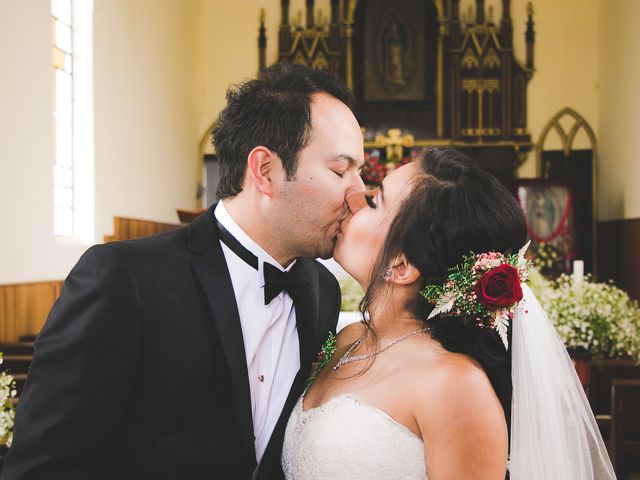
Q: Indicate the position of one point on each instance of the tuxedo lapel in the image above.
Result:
(307, 315)
(307, 311)
(212, 273)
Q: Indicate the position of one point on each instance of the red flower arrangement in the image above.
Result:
(485, 289)
(498, 288)
(374, 170)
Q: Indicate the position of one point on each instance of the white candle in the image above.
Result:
(578, 272)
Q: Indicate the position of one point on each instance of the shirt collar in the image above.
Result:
(227, 221)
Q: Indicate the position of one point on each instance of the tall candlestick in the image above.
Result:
(578, 272)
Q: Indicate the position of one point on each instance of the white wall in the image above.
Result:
(28, 250)
(146, 132)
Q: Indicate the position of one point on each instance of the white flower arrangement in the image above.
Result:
(594, 316)
(7, 411)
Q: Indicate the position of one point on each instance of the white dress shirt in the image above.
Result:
(269, 332)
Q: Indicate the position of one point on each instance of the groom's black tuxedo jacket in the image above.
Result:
(140, 370)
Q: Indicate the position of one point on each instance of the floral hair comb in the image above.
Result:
(484, 289)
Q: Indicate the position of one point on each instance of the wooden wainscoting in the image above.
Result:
(619, 254)
(24, 308)
(130, 228)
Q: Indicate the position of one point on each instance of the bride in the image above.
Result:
(457, 372)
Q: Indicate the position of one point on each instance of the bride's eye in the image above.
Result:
(370, 201)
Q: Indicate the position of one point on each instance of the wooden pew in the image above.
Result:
(130, 228)
(24, 307)
(624, 442)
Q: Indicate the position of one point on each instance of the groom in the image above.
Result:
(180, 356)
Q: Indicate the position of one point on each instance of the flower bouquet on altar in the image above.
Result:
(594, 317)
(7, 411)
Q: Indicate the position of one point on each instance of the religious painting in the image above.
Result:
(394, 45)
(549, 211)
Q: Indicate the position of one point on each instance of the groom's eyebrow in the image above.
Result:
(350, 160)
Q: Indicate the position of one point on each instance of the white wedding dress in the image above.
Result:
(554, 435)
(348, 439)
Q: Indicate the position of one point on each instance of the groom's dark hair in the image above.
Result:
(274, 111)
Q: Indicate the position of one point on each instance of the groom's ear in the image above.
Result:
(403, 272)
(261, 163)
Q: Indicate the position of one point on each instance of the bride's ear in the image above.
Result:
(402, 272)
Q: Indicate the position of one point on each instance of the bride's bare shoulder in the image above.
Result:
(459, 416)
(443, 373)
(455, 386)
(350, 334)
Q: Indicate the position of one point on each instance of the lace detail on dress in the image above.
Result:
(348, 439)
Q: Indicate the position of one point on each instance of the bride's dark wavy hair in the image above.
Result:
(454, 208)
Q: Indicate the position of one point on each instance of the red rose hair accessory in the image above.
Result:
(485, 289)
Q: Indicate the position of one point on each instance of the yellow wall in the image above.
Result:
(146, 107)
(586, 58)
(566, 73)
(566, 67)
(161, 70)
(619, 107)
(229, 45)
(565, 55)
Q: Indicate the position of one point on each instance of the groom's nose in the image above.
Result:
(356, 184)
(358, 200)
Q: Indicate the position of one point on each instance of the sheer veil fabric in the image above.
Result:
(554, 434)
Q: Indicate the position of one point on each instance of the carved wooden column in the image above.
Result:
(350, 7)
(284, 35)
(480, 17)
(454, 68)
(506, 28)
(262, 44)
(442, 31)
(506, 37)
(334, 26)
(530, 36)
(310, 13)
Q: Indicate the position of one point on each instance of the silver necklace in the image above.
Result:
(347, 358)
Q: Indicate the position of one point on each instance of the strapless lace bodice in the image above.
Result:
(348, 439)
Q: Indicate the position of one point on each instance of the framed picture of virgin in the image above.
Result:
(549, 210)
(394, 46)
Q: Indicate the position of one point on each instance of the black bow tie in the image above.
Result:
(275, 280)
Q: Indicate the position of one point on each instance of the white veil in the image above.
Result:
(554, 435)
